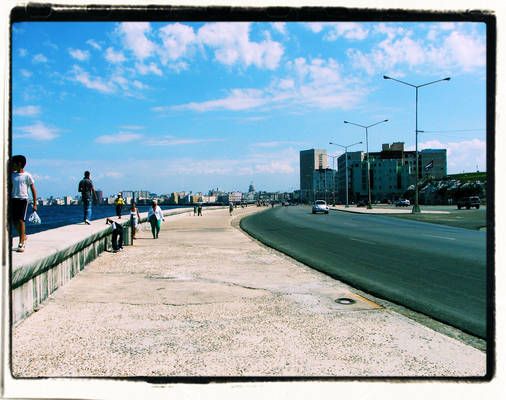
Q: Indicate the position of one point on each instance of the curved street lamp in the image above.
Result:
(369, 206)
(346, 167)
(416, 207)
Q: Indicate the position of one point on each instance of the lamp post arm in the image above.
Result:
(397, 80)
(380, 122)
(430, 83)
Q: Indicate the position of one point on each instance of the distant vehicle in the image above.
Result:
(468, 202)
(286, 203)
(361, 203)
(402, 203)
(320, 206)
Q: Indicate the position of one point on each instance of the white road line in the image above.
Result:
(439, 237)
(361, 240)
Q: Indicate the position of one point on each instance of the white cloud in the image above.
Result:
(461, 156)
(280, 27)
(132, 127)
(81, 76)
(39, 58)
(147, 69)
(171, 141)
(122, 137)
(445, 48)
(114, 57)
(26, 111)
(315, 27)
(177, 40)
(315, 84)
(160, 109)
(335, 30)
(134, 38)
(232, 44)
(94, 44)
(22, 52)
(114, 174)
(78, 54)
(238, 99)
(37, 131)
(25, 73)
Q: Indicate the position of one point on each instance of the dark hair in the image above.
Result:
(86, 174)
(19, 159)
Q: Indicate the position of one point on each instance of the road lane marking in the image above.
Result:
(362, 240)
(439, 237)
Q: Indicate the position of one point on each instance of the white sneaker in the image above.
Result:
(21, 248)
(86, 222)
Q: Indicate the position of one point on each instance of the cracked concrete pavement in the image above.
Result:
(204, 299)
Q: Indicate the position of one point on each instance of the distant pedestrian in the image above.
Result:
(21, 181)
(199, 209)
(134, 219)
(117, 234)
(194, 210)
(155, 217)
(86, 189)
(119, 203)
(230, 208)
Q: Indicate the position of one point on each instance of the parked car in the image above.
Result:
(361, 203)
(402, 203)
(468, 202)
(320, 206)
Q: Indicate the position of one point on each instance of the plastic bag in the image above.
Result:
(34, 219)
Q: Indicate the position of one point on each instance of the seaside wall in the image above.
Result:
(54, 257)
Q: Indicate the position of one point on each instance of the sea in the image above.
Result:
(57, 216)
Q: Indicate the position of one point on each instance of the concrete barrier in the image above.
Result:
(54, 257)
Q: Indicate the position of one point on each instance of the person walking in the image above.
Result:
(21, 181)
(230, 208)
(194, 210)
(134, 219)
(155, 216)
(117, 234)
(119, 203)
(86, 189)
(200, 210)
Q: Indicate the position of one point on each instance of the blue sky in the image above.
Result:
(193, 106)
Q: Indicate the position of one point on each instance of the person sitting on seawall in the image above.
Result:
(21, 181)
(135, 218)
(155, 216)
(119, 203)
(117, 235)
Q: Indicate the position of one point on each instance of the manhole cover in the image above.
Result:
(345, 300)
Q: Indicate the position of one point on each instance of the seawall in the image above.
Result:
(54, 257)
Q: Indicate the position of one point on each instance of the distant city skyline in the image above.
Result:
(188, 106)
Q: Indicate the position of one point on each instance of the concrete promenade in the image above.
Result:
(204, 299)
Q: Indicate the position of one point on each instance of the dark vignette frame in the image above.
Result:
(104, 13)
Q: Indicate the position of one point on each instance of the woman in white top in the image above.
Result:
(135, 218)
(155, 216)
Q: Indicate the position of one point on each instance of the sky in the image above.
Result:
(186, 106)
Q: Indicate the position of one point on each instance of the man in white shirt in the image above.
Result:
(21, 181)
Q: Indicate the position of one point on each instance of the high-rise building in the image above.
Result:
(392, 171)
(310, 161)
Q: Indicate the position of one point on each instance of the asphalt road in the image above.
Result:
(437, 270)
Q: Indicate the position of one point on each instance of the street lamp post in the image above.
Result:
(416, 207)
(334, 183)
(369, 206)
(346, 161)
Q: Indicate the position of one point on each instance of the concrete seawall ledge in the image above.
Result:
(55, 256)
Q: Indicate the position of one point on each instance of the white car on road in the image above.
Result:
(320, 206)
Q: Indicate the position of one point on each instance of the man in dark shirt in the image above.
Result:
(86, 188)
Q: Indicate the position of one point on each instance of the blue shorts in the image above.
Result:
(19, 208)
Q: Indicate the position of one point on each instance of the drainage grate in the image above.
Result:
(345, 301)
